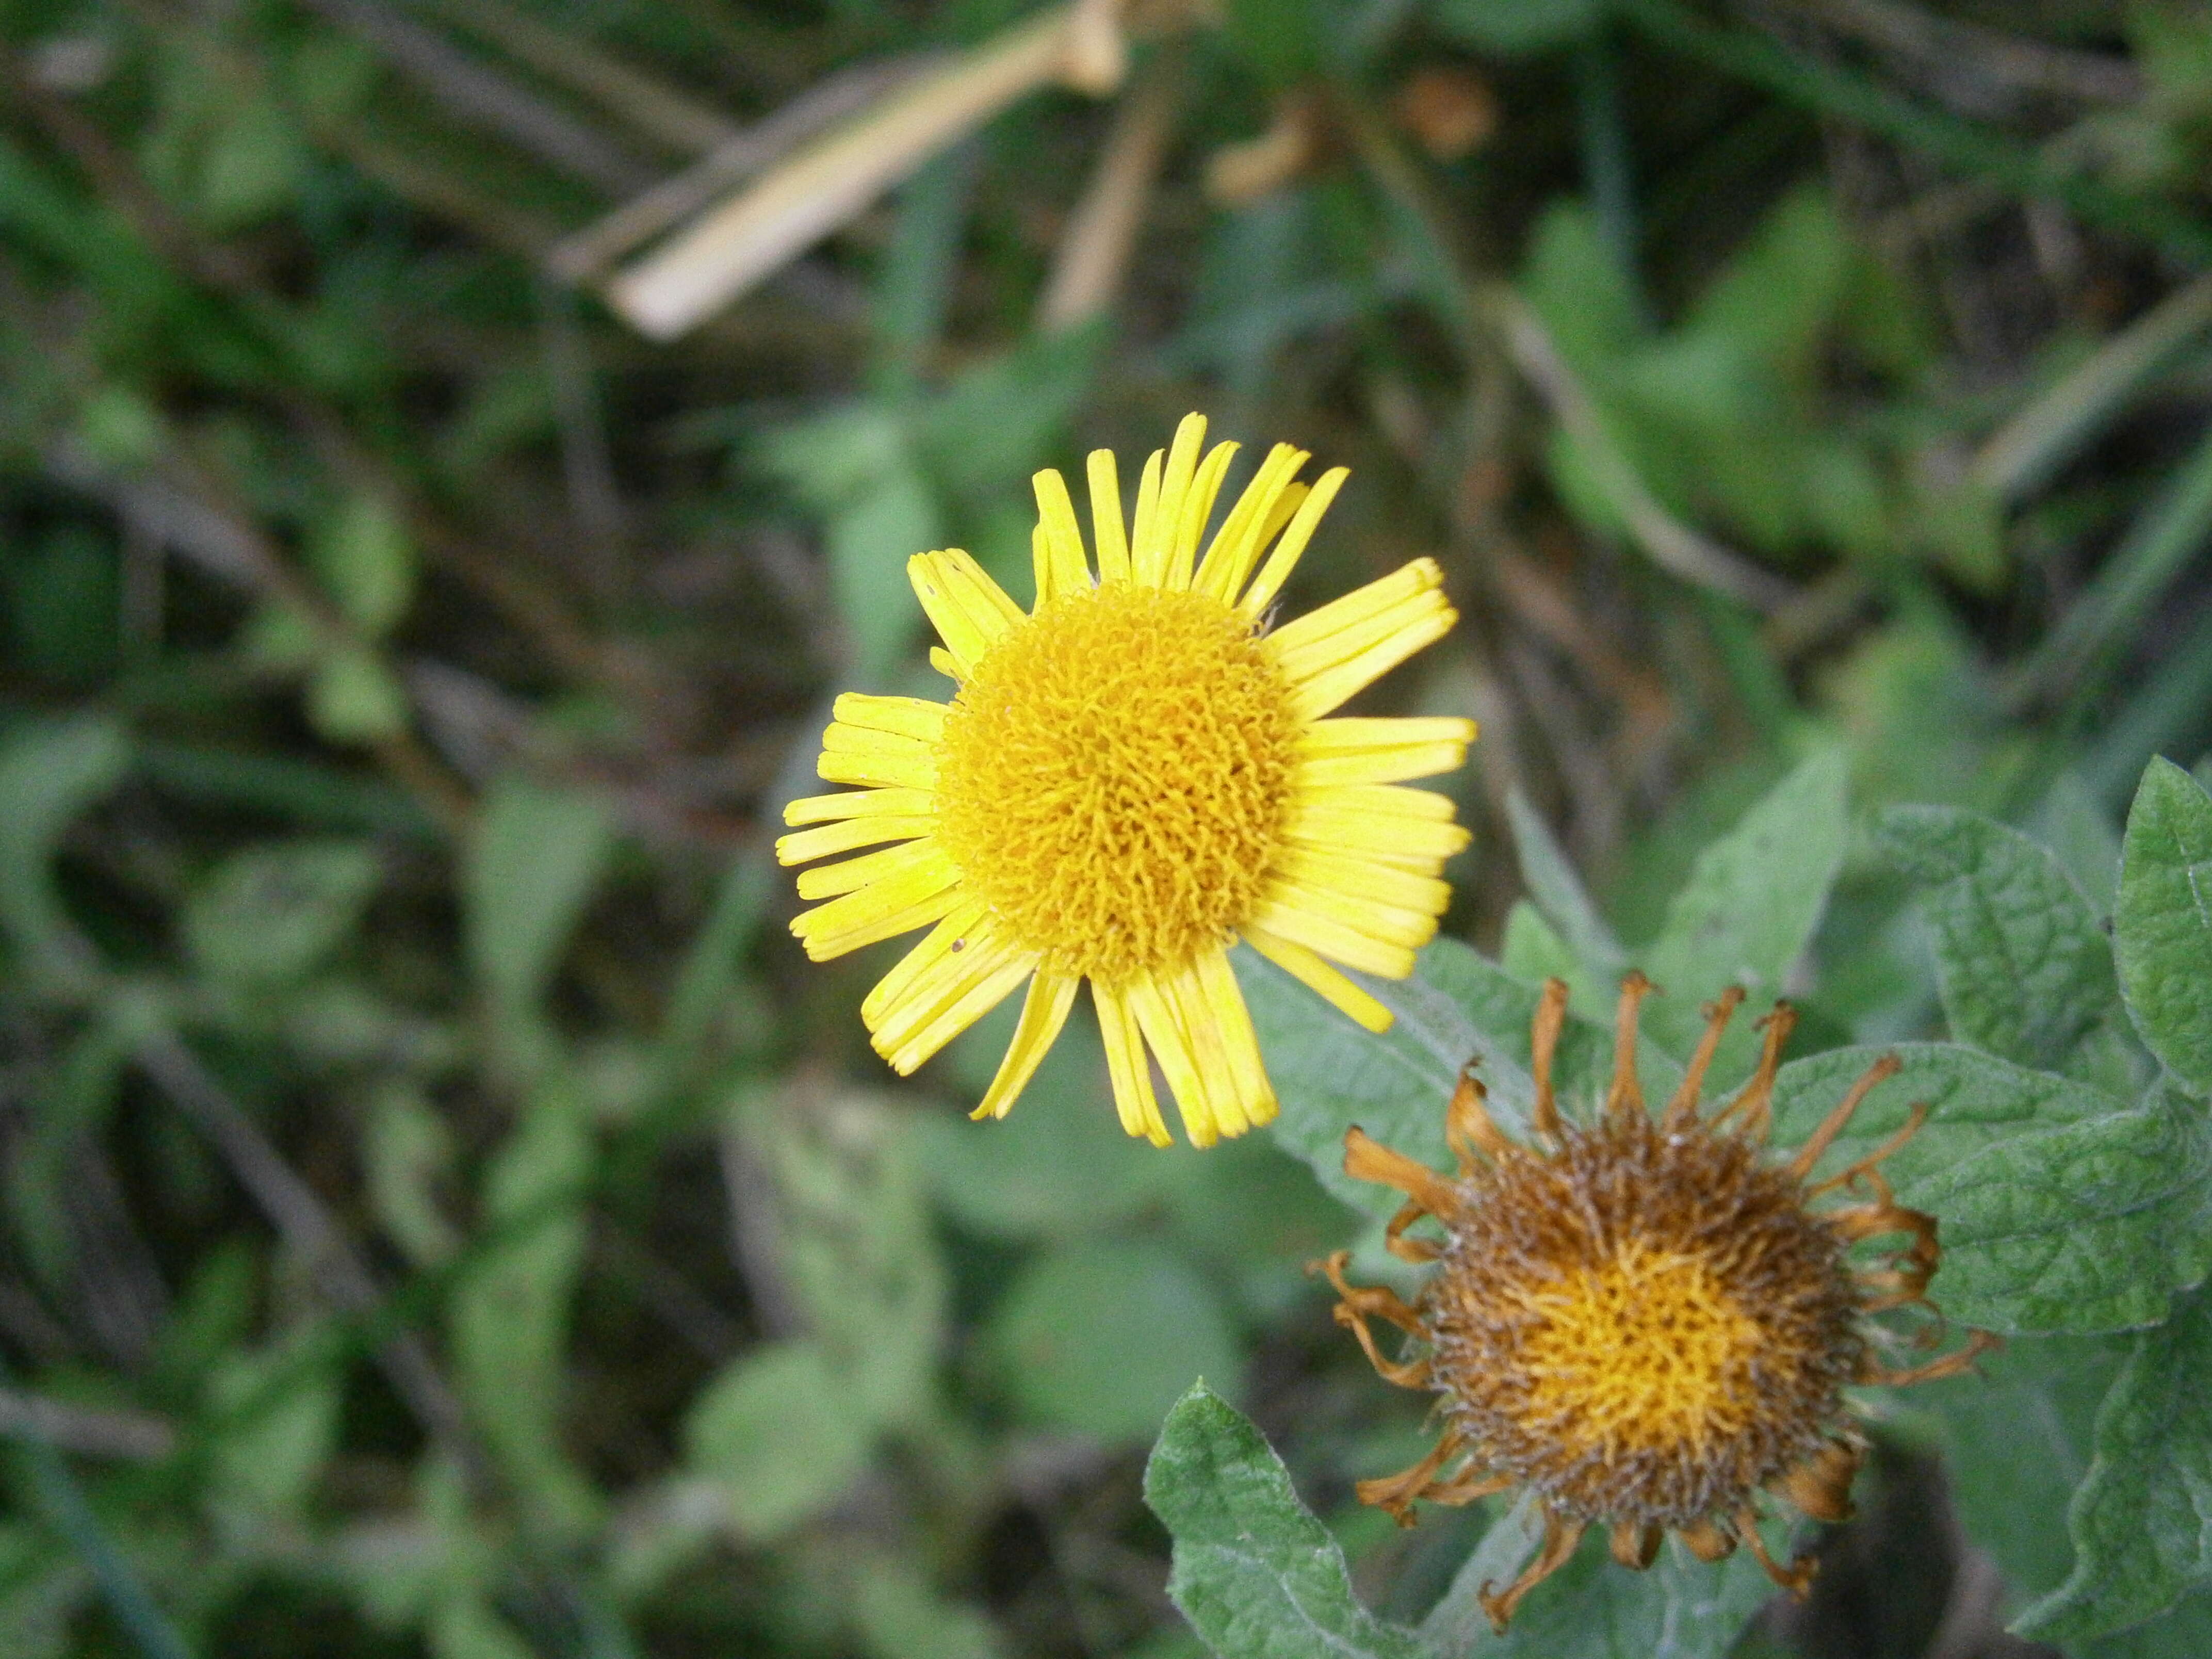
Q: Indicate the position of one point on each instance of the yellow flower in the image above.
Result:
(1132, 776)
(1643, 1322)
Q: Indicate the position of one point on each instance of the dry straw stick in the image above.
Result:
(828, 184)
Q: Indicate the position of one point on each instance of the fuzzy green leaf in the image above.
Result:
(2060, 1209)
(1102, 1336)
(537, 855)
(2025, 970)
(1330, 1073)
(1256, 1575)
(2141, 1521)
(2162, 923)
(268, 916)
(1591, 1608)
(777, 1432)
(1748, 910)
(510, 1316)
(2015, 1433)
(1558, 893)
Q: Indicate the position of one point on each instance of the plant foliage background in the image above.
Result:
(444, 1216)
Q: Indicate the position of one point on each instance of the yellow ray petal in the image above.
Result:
(1386, 924)
(1315, 639)
(1310, 970)
(1364, 882)
(827, 880)
(860, 803)
(908, 768)
(1412, 760)
(983, 996)
(1194, 1017)
(1328, 689)
(1386, 801)
(1336, 736)
(1044, 1011)
(820, 842)
(950, 977)
(1106, 527)
(917, 897)
(969, 610)
(1197, 508)
(1156, 537)
(1330, 938)
(908, 717)
(1144, 532)
(1216, 983)
(1292, 546)
(1235, 546)
(1164, 1036)
(1407, 843)
(949, 938)
(1129, 1068)
(1059, 564)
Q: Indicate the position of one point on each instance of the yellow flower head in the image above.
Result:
(1644, 1323)
(1131, 777)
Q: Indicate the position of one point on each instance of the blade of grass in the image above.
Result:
(789, 208)
(2023, 453)
(589, 250)
(1836, 92)
(2170, 715)
(2166, 536)
(648, 104)
(120, 1586)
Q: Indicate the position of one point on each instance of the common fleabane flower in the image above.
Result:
(1132, 776)
(1645, 1322)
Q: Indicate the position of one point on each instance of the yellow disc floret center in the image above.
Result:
(1112, 777)
(1645, 1352)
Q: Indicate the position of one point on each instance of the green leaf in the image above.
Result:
(2025, 972)
(1533, 951)
(1060, 1163)
(407, 1150)
(1558, 892)
(50, 774)
(2015, 1435)
(2183, 1632)
(1329, 1073)
(510, 1316)
(776, 1431)
(537, 855)
(1102, 1336)
(267, 1464)
(856, 1244)
(2059, 1209)
(855, 466)
(269, 915)
(2141, 1521)
(366, 561)
(1592, 1609)
(1256, 1575)
(354, 697)
(901, 1617)
(2162, 923)
(1748, 911)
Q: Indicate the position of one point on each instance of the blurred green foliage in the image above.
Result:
(444, 1216)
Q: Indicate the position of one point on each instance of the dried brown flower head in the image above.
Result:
(1644, 1321)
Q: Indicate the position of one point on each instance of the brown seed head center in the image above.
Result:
(1645, 1352)
(1643, 1324)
